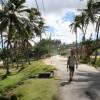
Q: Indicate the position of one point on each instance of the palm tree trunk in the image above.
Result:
(27, 52)
(40, 37)
(95, 59)
(7, 67)
(76, 47)
(2, 46)
(2, 5)
(85, 31)
(7, 61)
(84, 37)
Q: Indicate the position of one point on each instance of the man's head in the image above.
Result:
(71, 53)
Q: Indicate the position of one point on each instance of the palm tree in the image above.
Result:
(96, 7)
(41, 29)
(91, 14)
(97, 38)
(83, 25)
(12, 21)
(87, 17)
(37, 22)
(74, 26)
(90, 17)
(92, 11)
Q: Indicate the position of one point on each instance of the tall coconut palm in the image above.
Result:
(97, 38)
(83, 25)
(92, 12)
(87, 17)
(96, 7)
(74, 26)
(89, 12)
(37, 21)
(11, 19)
(93, 8)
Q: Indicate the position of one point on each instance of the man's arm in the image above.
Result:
(76, 62)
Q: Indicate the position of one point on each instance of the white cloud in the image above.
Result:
(57, 5)
(0, 7)
(90, 31)
(55, 10)
(61, 29)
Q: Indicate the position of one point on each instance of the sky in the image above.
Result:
(58, 15)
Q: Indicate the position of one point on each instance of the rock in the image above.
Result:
(44, 75)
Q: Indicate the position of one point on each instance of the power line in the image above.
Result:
(43, 6)
(2, 3)
(37, 5)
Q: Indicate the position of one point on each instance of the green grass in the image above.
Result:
(1, 71)
(97, 64)
(94, 56)
(33, 69)
(36, 89)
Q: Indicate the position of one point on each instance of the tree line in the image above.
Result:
(89, 15)
(18, 25)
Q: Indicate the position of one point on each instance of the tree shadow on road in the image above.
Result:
(93, 88)
(63, 83)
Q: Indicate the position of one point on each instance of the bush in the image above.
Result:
(83, 60)
(64, 53)
(41, 49)
(97, 64)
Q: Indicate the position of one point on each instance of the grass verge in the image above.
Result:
(97, 64)
(33, 69)
(36, 89)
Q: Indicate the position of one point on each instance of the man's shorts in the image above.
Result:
(71, 68)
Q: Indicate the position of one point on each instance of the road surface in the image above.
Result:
(86, 83)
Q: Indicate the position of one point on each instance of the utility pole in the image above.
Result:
(50, 44)
(76, 47)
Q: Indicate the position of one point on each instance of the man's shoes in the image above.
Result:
(70, 79)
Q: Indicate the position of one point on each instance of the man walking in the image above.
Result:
(71, 63)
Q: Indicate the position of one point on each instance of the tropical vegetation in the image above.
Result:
(18, 25)
(90, 15)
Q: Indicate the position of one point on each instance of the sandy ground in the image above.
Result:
(86, 83)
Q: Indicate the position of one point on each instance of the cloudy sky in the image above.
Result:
(58, 15)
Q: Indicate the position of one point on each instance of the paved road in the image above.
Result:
(86, 84)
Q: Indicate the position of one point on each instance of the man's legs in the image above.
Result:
(70, 76)
(71, 73)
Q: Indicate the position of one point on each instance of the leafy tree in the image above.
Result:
(93, 9)
(89, 15)
(18, 30)
(41, 48)
(46, 47)
(37, 22)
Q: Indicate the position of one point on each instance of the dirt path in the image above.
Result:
(86, 84)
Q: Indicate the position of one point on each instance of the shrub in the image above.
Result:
(97, 64)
